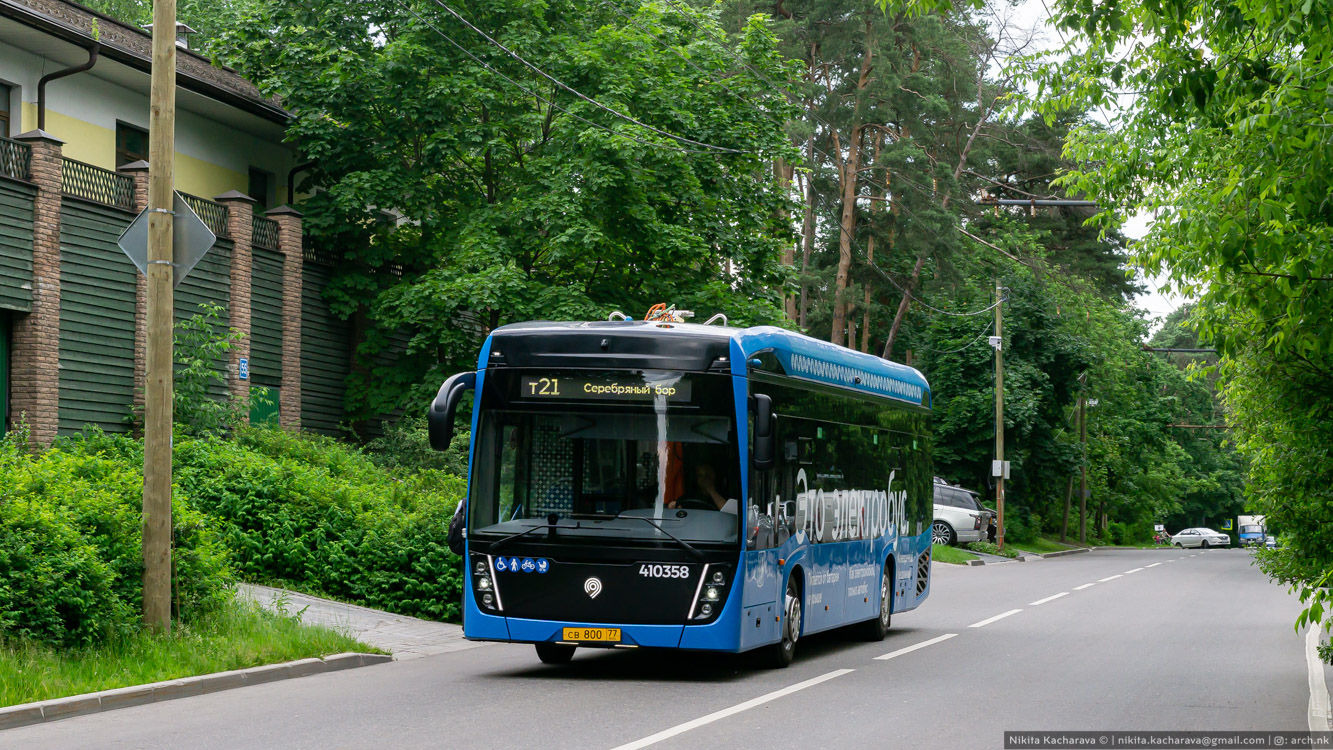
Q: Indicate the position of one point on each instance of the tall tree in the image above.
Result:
(516, 194)
(1221, 119)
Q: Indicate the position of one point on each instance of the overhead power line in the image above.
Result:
(579, 94)
(539, 97)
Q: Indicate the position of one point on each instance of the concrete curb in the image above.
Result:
(1064, 552)
(997, 562)
(137, 695)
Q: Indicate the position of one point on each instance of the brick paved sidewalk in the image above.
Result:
(404, 637)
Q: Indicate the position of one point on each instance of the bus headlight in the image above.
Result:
(712, 591)
(485, 587)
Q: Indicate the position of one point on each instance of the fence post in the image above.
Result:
(240, 225)
(293, 260)
(138, 171)
(35, 356)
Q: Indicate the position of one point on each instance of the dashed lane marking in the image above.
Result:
(1084, 586)
(989, 620)
(920, 645)
(666, 734)
(1049, 598)
(1127, 572)
(1109, 578)
(1156, 564)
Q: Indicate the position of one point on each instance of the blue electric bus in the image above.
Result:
(674, 485)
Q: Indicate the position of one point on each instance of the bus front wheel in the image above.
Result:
(554, 653)
(780, 654)
(878, 628)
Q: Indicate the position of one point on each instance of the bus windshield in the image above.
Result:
(605, 464)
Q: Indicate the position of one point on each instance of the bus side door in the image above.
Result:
(760, 595)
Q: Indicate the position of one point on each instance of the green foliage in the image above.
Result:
(201, 403)
(992, 549)
(405, 446)
(1225, 140)
(311, 512)
(70, 561)
(236, 635)
(513, 209)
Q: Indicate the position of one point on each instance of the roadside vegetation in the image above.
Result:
(943, 553)
(234, 635)
(783, 183)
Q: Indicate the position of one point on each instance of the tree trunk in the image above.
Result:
(783, 172)
(1069, 494)
(876, 205)
(850, 167)
(808, 226)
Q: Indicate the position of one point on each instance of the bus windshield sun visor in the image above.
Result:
(440, 420)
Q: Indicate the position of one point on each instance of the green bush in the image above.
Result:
(405, 446)
(310, 512)
(70, 532)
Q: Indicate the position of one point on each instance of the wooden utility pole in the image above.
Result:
(999, 413)
(161, 277)
(1083, 465)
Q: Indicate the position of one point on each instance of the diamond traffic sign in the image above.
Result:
(190, 239)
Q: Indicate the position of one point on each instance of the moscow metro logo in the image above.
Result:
(592, 587)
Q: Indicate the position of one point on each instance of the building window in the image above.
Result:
(4, 111)
(131, 144)
(261, 188)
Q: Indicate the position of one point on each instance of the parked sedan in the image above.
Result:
(1202, 538)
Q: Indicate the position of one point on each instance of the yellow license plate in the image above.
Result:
(593, 635)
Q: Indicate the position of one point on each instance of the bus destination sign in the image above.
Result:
(584, 388)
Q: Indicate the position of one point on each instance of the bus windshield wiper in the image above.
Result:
(551, 525)
(696, 554)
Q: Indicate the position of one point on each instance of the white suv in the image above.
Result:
(958, 516)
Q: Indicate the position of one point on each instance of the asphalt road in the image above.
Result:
(1172, 641)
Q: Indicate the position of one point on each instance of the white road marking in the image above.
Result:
(1109, 578)
(1127, 572)
(1156, 564)
(1084, 586)
(1170, 560)
(910, 649)
(989, 620)
(665, 734)
(1049, 598)
(1319, 703)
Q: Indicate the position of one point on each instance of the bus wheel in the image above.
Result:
(554, 653)
(876, 629)
(780, 654)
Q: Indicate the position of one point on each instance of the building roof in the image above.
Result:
(132, 46)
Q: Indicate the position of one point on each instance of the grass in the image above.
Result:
(1042, 545)
(945, 554)
(237, 636)
(991, 549)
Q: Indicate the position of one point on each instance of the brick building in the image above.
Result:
(73, 144)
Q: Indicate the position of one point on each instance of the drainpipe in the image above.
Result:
(291, 179)
(41, 84)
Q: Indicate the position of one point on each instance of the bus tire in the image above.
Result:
(554, 653)
(780, 654)
(878, 628)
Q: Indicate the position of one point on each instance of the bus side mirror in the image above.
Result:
(763, 432)
(440, 420)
